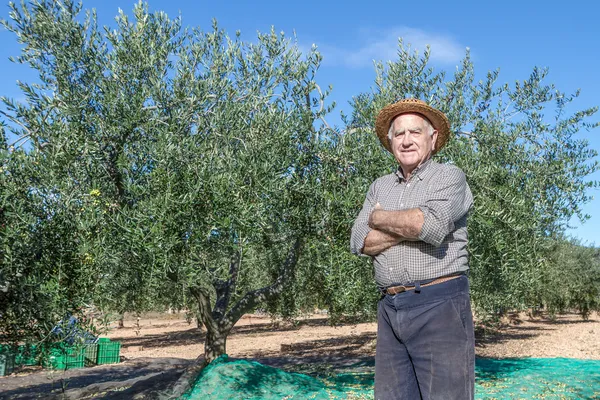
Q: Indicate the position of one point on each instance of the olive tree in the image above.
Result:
(581, 291)
(191, 160)
(41, 274)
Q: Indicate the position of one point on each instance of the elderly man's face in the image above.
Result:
(411, 142)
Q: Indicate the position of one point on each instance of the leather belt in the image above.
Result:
(399, 289)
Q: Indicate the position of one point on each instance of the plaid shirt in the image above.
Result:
(441, 192)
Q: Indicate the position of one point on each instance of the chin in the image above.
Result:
(408, 163)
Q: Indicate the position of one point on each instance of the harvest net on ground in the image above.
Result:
(528, 378)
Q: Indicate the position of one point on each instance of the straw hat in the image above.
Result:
(436, 117)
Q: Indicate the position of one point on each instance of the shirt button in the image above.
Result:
(401, 204)
(390, 268)
(408, 185)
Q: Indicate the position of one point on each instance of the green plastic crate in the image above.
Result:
(108, 352)
(90, 355)
(26, 355)
(7, 362)
(55, 359)
(70, 357)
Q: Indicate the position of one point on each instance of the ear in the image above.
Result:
(434, 136)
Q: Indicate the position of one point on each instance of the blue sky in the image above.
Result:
(511, 35)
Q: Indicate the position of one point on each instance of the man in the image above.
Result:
(414, 225)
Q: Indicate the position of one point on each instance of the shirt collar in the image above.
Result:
(418, 172)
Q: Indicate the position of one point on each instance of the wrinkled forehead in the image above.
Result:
(413, 117)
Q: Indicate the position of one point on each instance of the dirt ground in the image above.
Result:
(260, 337)
(156, 349)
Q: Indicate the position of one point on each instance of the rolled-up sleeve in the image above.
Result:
(361, 227)
(448, 200)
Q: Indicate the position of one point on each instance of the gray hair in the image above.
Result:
(428, 126)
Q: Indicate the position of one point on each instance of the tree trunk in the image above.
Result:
(214, 345)
(219, 321)
(199, 323)
(185, 381)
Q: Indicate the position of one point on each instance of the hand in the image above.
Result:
(376, 211)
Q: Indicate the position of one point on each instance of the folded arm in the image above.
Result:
(376, 230)
(378, 241)
(392, 227)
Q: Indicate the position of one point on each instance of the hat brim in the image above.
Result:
(438, 120)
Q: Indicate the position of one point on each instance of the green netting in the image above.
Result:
(241, 379)
(537, 378)
(529, 378)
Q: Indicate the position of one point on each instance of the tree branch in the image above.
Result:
(224, 289)
(251, 299)
(203, 299)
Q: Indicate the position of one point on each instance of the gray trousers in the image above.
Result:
(425, 344)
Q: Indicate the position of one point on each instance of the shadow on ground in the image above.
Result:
(484, 338)
(186, 337)
(323, 357)
(118, 381)
(190, 336)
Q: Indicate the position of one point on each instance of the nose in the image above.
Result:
(406, 140)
